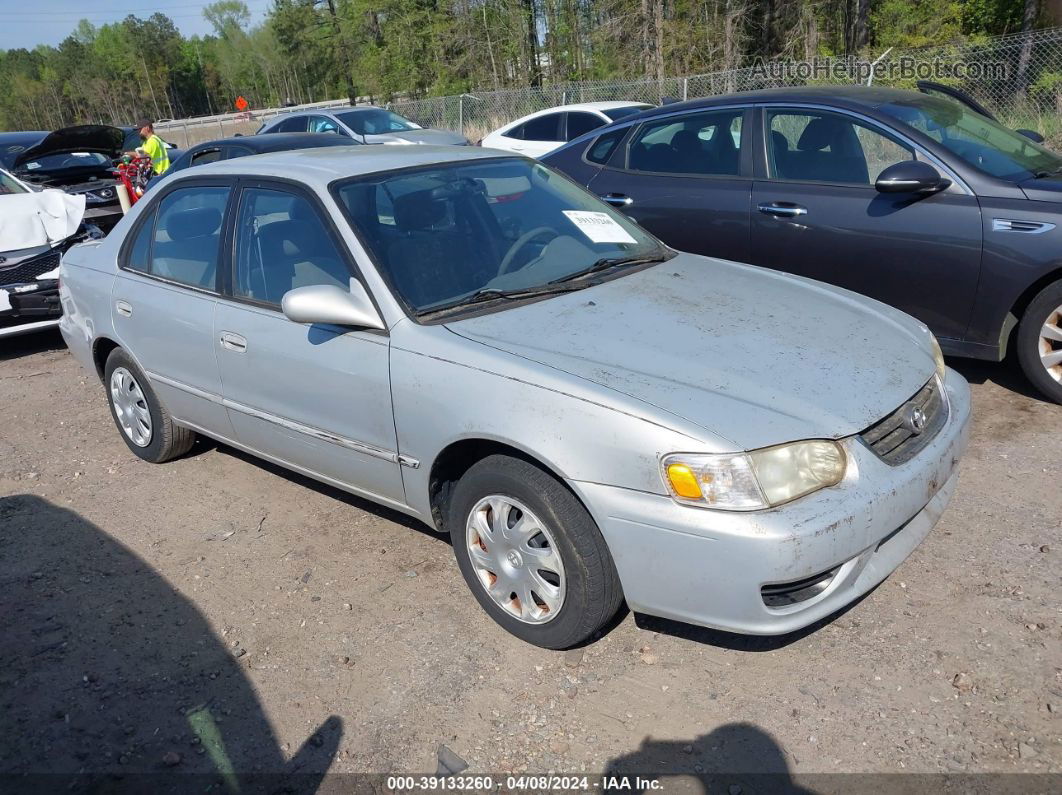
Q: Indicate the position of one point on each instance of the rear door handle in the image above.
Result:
(783, 209)
(234, 342)
(123, 308)
(617, 199)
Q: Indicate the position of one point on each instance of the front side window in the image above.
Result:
(443, 234)
(827, 147)
(580, 123)
(984, 144)
(322, 124)
(185, 238)
(281, 244)
(603, 147)
(375, 121)
(9, 184)
(706, 143)
(206, 156)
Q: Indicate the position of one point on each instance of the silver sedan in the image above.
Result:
(468, 337)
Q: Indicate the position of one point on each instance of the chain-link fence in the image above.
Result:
(1017, 77)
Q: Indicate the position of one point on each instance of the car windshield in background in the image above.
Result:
(981, 142)
(9, 185)
(446, 236)
(375, 121)
(62, 162)
(629, 110)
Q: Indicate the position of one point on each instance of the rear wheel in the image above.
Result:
(145, 425)
(1040, 342)
(531, 553)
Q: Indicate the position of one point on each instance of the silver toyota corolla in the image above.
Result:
(469, 338)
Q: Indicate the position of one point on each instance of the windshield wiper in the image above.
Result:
(495, 293)
(1044, 173)
(607, 263)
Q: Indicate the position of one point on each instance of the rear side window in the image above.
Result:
(706, 143)
(602, 148)
(292, 124)
(544, 128)
(206, 156)
(183, 243)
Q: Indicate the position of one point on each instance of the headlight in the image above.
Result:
(752, 481)
(938, 358)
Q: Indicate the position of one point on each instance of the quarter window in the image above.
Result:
(183, 243)
(698, 144)
(281, 244)
(826, 147)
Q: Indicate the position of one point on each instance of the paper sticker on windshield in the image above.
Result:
(599, 227)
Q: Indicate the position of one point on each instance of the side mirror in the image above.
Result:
(1032, 135)
(911, 176)
(326, 303)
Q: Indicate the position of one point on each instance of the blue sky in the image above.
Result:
(27, 23)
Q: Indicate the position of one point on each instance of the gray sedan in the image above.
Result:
(367, 125)
(469, 338)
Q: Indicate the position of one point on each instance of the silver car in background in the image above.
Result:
(365, 124)
(469, 338)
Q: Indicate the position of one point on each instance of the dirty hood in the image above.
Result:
(83, 138)
(754, 356)
(434, 137)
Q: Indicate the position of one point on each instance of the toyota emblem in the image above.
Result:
(914, 419)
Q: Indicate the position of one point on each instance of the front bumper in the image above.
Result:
(709, 567)
(25, 308)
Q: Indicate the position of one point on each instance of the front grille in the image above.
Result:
(898, 438)
(28, 270)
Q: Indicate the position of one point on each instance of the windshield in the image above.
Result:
(981, 142)
(61, 162)
(9, 184)
(375, 121)
(442, 234)
(629, 110)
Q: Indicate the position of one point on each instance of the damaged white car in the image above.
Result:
(36, 228)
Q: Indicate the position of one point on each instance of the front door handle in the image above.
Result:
(617, 199)
(123, 308)
(233, 342)
(783, 209)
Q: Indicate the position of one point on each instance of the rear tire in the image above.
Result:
(551, 543)
(1039, 342)
(143, 422)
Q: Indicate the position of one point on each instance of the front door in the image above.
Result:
(817, 214)
(685, 179)
(315, 397)
(164, 297)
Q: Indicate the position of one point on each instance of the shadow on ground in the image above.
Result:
(734, 758)
(28, 344)
(109, 675)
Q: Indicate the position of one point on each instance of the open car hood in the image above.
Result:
(82, 138)
(44, 218)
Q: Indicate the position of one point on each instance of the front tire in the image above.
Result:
(1039, 342)
(531, 553)
(143, 422)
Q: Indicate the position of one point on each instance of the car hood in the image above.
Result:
(31, 220)
(436, 137)
(752, 355)
(82, 138)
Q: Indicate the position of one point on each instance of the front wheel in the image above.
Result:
(531, 553)
(1039, 342)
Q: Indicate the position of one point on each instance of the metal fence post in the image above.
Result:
(461, 114)
(685, 88)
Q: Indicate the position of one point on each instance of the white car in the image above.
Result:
(540, 133)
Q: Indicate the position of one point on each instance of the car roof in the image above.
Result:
(599, 105)
(322, 166)
(276, 142)
(848, 96)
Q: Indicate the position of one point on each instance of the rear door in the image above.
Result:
(316, 397)
(164, 297)
(687, 178)
(817, 213)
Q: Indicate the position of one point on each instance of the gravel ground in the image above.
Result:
(217, 612)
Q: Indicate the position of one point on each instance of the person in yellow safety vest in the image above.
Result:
(153, 146)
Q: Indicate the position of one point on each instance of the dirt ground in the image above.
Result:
(219, 614)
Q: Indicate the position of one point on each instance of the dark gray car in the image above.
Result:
(919, 201)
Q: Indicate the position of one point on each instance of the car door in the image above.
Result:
(164, 297)
(818, 214)
(687, 179)
(314, 397)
